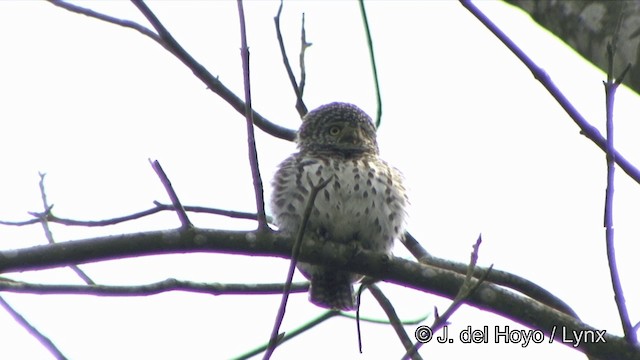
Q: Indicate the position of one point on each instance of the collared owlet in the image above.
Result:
(363, 204)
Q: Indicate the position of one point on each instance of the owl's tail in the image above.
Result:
(332, 290)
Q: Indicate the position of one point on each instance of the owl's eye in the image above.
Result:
(334, 130)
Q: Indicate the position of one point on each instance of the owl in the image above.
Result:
(364, 204)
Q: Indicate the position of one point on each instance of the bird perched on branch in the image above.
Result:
(362, 205)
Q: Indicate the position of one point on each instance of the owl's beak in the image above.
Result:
(352, 135)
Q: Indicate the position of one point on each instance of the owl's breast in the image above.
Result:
(364, 201)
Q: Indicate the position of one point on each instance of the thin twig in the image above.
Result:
(394, 320)
(165, 39)
(585, 128)
(212, 82)
(149, 289)
(251, 139)
(610, 87)
(185, 223)
(358, 329)
(300, 106)
(291, 334)
(49, 234)
(47, 209)
(158, 208)
(372, 56)
(295, 252)
(499, 277)
(110, 19)
(304, 45)
(468, 287)
(45, 341)
(214, 211)
(415, 321)
(316, 321)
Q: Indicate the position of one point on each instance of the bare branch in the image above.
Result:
(291, 334)
(110, 19)
(251, 140)
(47, 209)
(414, 246)
(150, 289)
(22, 223)
(372, 56)
(610, 87)
(295, 252)
(394, 320)
(49, 235)
(166, 40)
(213, 83)
(499, 277)
(316, 321)
(469, 286)
(399, 271)
(585, 128)
(45, 341)
(300, 106)
(304, 45)
(100, 223)
(182, 215)
(415, 321)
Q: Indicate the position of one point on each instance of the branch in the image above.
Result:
(297, 89)
(45, 341)
(149, 289)
(100, 223)
(372, 56)
(469, 286)
(304, 45)
(49, 235)
(295, 252)
(610, 87)
(399, 271)
(248, 113)
(314, 322)
(177, 205)
(110, 19)
(167, 41)
(291, 334)
(394, 320)
(498, 277)
(585, 128)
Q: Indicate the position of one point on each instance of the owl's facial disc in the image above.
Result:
(338, 128)
(348, 137)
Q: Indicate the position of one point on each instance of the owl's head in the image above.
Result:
(338, 128)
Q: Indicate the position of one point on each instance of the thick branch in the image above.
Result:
(395, 270)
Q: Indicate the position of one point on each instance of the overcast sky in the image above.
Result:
(483, 147)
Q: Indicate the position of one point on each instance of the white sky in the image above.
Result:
(484, 149)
